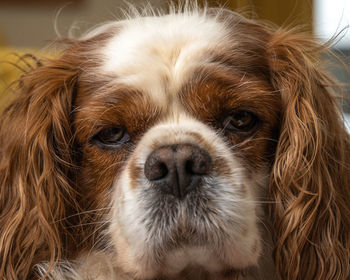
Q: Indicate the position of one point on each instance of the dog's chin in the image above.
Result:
(172, 236)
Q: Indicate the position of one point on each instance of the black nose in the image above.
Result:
(177, 169)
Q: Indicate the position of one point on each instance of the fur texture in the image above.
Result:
(76, 202)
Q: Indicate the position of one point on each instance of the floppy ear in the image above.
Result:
(36, 168)
(310, 180)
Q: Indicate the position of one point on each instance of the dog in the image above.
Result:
(197, 144)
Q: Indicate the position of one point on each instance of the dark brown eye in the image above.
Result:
(111, 138)
(241, 121)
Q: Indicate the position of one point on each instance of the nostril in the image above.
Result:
(159, 171)
(197, 162)
(189, 167)
(156, 170)
(158, 164)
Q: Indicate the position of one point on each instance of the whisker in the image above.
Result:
(94, 232)
(82, 213)
(87, 224)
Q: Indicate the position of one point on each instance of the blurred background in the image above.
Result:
(29, 25)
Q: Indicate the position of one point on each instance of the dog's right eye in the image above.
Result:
(111, 138)
(241, 121)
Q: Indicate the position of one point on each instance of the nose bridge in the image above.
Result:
(175, 111)
(178, 126)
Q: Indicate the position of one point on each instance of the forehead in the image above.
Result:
(158, 55)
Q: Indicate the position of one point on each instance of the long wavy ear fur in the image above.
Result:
(35, 167)
(310, 182)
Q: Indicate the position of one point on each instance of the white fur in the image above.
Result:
(157, 55)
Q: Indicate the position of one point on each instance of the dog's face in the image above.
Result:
(184, 129)
(195, 143)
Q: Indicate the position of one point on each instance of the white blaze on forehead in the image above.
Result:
(157, 54)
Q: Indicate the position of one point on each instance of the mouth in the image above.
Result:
(193, 220)
(200, 219)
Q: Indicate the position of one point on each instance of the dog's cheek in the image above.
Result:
(99, 169)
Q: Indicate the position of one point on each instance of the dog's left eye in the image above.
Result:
(111, 138)
(241, 121)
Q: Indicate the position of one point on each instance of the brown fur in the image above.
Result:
(310, 180)
(54, 187)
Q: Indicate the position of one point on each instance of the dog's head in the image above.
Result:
(170, 136)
